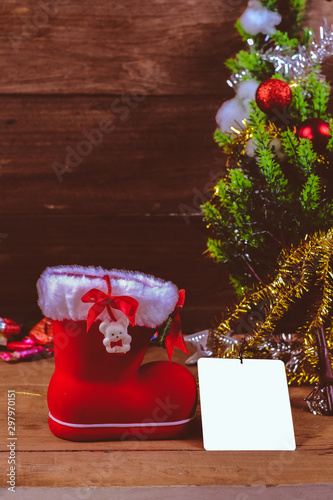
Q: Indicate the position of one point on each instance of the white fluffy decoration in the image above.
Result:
(60, 290)
(278, 149)
(250, 148)
(232, 112)
(257, 19)
(275, 145)
(115, 332)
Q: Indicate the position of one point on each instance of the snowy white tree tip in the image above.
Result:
(257, 19)
(233, 112)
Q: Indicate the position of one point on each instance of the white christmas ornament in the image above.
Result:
(234, 111)
(257, 19)
(116, 336)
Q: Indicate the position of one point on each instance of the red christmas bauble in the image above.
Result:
(273, 94)
(317, 130)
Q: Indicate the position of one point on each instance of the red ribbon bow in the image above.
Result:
(114, 344)
(175, 337)
(102, 300)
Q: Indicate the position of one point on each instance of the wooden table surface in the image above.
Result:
(44, 460)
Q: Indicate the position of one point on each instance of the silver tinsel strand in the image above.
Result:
(299, 65)
(293, 65)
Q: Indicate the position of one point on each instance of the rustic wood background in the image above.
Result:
(142, 80)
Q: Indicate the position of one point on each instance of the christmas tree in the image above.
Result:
(298, 300)
(278, 140)
(271, 214)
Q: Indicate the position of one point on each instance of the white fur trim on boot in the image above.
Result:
(60, 290)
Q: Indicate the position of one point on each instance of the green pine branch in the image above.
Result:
(330, 141)
(300, 108)
(275, 193)
(268, 166)
(283, 40)
(244, 35)
(311, 193)
(252, 63)
(224, 140)
(320, 92)
(300, 152)
(310, 98)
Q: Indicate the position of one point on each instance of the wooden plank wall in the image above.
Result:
(107, 117)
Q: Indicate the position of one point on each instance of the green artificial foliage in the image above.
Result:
(252, 63)
(163, 332)
(330, 142)
(277, 187)
(283, 40)
(245, 36)
(250, 60)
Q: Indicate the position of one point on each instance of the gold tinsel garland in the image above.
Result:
(292, 308)
(243, 133)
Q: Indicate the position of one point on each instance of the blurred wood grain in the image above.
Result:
(116, 47)
(151, 158)
(163, 246)
(117, 100)
(122, 47)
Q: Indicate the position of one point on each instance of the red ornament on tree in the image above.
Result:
(273, 95)
(317, 130)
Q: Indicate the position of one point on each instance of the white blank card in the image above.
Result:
(245, 406)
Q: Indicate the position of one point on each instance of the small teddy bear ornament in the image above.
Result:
(116, 338)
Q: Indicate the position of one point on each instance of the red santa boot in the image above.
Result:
(103, 322)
